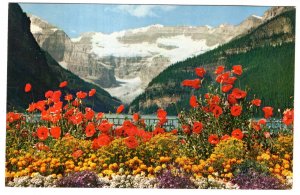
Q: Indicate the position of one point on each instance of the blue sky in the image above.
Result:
(75, 19)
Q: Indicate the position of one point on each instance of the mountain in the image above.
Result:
(267, 54)
(28, 63)
(125, 62)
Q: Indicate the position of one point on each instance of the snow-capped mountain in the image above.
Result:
(125, 62)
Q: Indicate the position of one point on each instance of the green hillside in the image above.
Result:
(267, 54)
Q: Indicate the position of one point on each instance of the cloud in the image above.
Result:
(144, 10)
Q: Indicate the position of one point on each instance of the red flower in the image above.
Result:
(90, 130)
(186, 129)
(89, 113)
(191, 83)
(238, 94)
(230, 80)
(120, 109)
(222, 78)
(268, 111)
(213, 139)
(161, 113)
(225, 137)
(262, 121)
(237, 69)
(158, 130)
(217, 111)
(174, 131)
(288, 117)
(226, 88)
(198, 126)
(68, 97)
(200, 72)
(92, 92)
(236, 110)
(27, 87)
(42, 133)
(105, 126)
(48, 94)
(63, 84)
(100, 115)
(55, 132)
(219, 69)
(193, 101)
(135, 117)
(81, 94)
(102, 140)
(131, 142)
(77, 154)
(267, 134)
(56, 96)
(237, 133)
(256, 102)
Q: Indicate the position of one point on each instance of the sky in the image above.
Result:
(75, 19)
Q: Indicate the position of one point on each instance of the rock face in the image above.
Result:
(125, 62)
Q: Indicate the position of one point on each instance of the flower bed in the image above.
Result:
(219, 143)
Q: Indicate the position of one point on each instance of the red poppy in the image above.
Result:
(63, 84)
(102, 140)
(231, 99)
(68, 97)
(236, 110)
(219, 69)
(49, 94)
(31, 107)
(76, 103)
(255, 126)
(200, 72)
(131, 142)
(192, 83)
(56, 96)
(146, 136)
(262, 121)
(119, 131)
(120, 109)
(226, 88)
(225, 137)
(90, 130)
(99, 115)
(135, 117)
(92, 92)
(161, 113)
(77, 154)
(27, 87)
(89, 113)
(213, 139)
(55, 132)
(230, 80)
(238, 94)
(81, 94)
(42, 133)
(217, 111)
(214, 100)
(222, 78)
(268, 111)
(207, 95)
(193, 101)
(197, 128)
(186, 129)
(256, 102)
(288, 117)
(237, 69)
(174, 131)
(105, 126)
(158, 130)
(237, 133)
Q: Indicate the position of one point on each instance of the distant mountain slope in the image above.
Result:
(267, 54)
(28, 63)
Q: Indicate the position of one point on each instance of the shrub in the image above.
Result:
(84, 179)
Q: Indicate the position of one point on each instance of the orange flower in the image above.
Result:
(238, 94)
(237, 69)
(131, 142)
(77, 154)
(213, 139)
(27, 87)
(256, 102)
(200, 72)
(136, 117)
(193, 101)
(191, 83)
(268, 111)
(42, 133)
(105, 126)
(219, 69)
(226, 88)
(55, 132)
(225, 137)
(68, 97)
(217, 111)
(81, 94)
(198, 126)
(236, 110)
(63, 84)
(288, 117)
(42, 146)
(92, 92)
(120, 109)
(237, 133)
(90, 130)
